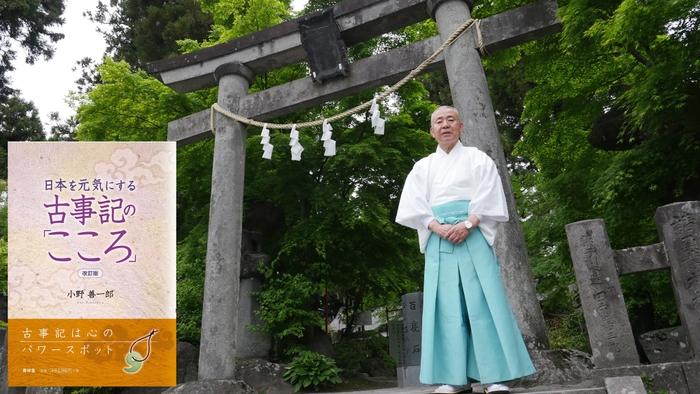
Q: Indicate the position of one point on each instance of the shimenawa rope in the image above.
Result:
(457, 34)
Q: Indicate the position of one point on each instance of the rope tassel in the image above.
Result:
(377, 122)
(267, 147)
(328, 143)
(294, 143)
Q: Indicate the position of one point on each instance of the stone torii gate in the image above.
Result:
(233, 65)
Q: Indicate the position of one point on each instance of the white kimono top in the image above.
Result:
(466, 173)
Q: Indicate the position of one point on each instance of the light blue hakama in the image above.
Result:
(468, 326)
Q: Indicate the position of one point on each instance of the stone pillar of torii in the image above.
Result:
(232, 66)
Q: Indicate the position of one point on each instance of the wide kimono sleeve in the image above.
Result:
(488, 200)
(414, 210)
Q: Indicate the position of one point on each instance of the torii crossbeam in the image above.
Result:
(234, 64)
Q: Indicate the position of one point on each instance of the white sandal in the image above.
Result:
(497, 389)
(447, 389)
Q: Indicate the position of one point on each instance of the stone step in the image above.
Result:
(581, 388)
(553, 390)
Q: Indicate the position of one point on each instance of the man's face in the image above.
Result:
(446, 127)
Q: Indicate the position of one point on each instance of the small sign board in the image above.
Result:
(364, 318)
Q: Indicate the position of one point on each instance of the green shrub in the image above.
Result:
(285, 304)
(649, 385)
(313, 370)
(350, 352)
(567, 331)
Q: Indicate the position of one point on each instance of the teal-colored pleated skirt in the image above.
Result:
(469, 330)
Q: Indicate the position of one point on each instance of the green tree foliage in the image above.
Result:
(353, 351)
(609, 130)
(29, 23)
(236, 18)
(286, 315)
(19, 121)
(339, 210)
(137, 32)
(141, 105)
(132, 106)
(140, 31)
(62, 130)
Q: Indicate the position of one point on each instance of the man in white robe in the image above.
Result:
(454, 198)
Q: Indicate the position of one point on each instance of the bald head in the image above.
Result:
(446, 127)
(432, 117)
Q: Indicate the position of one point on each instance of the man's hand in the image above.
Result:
(456, 234)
